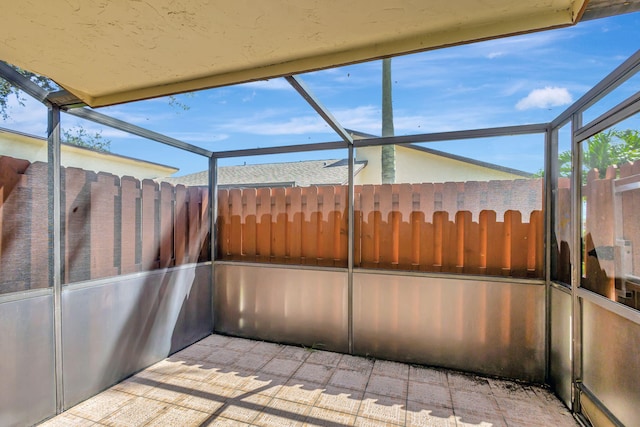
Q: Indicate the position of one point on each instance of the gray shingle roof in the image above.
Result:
(302, 174)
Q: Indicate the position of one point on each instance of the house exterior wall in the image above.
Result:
(34, 149)
(414, 166)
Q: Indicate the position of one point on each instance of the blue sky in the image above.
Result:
(518, 80)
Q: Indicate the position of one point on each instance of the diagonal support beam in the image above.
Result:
(22, 82)
(303, 90)
(102, 119)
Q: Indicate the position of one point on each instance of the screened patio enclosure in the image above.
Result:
(482, 269)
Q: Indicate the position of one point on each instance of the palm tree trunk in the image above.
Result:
(388, 151)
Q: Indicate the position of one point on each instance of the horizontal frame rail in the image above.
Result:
(103, 119)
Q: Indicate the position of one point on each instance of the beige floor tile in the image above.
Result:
(368, 422)
(252, 362)
(67, 420)
(178, 416)
(224, 357)
(227, 381)
(427, 375)
(281, 367)
(264, 384)
(356, 363)
(383, 408)
(472, 419)
(102, 405)
(324, 358)
(420, 415)
(391, 369)
(311, 372)
(233, 378)
(294, 353)
(387, 386)
(224, 422)
(141, 383)
(346, 378)
(328, 418)
(282, 413)
(267, 348)
(196, 351)
(242, 345)
(168, 366)
(341, 400)
(430, 394)
(243, 408)
(462, 381)
(195, 372)
(216, 340)
(471, 401)
(137, 412)
(204, 397)
(302, 392)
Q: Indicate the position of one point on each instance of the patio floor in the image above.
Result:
(227, 381)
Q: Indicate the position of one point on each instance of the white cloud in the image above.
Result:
(492, 55)
(545, 98)
(272, 84)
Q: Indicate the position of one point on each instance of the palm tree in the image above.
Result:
(388, 151)
(602, 150)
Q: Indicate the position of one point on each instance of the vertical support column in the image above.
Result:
(351, 243)
(550, 181)
(576, 262)
(213, 229)
(55, 255)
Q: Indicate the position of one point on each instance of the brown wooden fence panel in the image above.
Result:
(310, 225)
(279, 221)
(166, 235)
(180, 225)
(39, 233)
(130, 245)
(263, 226)
(14, 224)
(599, 268)
(110, 226)
(406, 244)
(77, 232)
(235, 223)
(294, 224)
(104, 191)
(223, 222)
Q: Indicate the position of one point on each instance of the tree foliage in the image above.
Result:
(80, 137)
(7, 90)
(609, 148)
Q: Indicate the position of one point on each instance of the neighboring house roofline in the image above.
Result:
(363, 135)
(107, 153)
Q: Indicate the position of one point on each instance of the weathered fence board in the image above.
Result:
(110, 226)
(399, 226)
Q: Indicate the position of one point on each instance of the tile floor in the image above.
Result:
(227, 381)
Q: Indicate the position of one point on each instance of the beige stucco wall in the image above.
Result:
(414, 166)
(34, 149)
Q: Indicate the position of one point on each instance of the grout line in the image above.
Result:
(453, 408)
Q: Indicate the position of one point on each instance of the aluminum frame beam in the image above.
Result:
(455, 135)
(620, 112)
(103, 119)
(22, 82)
(298, 148)
(305, 92)
(625, 71)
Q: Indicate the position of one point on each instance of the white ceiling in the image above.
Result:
(108, 52)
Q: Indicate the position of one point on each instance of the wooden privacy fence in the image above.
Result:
(493, 227)
(612, 233)
(110, 225)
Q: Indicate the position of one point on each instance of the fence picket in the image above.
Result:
(104, 191)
